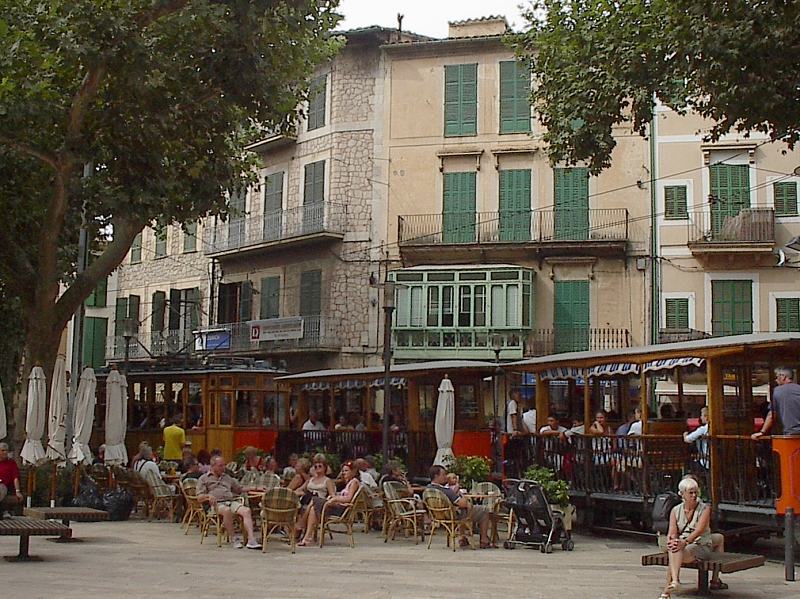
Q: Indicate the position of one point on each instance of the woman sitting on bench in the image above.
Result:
(689, 537)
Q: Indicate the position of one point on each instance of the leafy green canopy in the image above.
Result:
(159, 96)
(599, 64)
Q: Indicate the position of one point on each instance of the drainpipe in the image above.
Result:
(655, 296)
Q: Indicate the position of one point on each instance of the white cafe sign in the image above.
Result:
(276, 329)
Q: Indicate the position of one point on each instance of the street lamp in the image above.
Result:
(388, 309)
(130, 327)
(497, 346)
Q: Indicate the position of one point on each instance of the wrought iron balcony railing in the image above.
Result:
(543, 342)
(318, 333)
(718, 226)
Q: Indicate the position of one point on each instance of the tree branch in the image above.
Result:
(87, 91)
(46, 157)
(161, 10)
(20, 262)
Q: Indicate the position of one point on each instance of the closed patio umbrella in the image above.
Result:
(445, 422)
(84, 418)
(116, 419)
(3, 423)
(32, 450)
(57, 419)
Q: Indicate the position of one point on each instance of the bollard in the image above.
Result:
(788, 540)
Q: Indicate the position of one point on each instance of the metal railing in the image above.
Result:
(537, 226)
(680, 335)
(543, 342)
(146, 345)
(754, 478)
(243, 232)
(318, 332)
(750, 225)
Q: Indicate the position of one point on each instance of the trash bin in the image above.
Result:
(788, 450)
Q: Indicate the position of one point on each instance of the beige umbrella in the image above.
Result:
(3, 424)
(57, 419)
(116, 419)
(32, 450)
(445, 422)
(84, 418)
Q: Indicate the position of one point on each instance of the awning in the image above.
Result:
(672, 363)
(565, 372)
(397, 382)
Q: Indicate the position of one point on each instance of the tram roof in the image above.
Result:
(701, 348)
(410, 369)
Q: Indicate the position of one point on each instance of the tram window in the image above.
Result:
(194, 408)
(269, 413)
(176, 408)
(427, 403)
(282, 418)
(246, 408)
(225, 409)
(467, 404)
(212, 409)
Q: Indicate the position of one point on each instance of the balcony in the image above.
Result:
(458, 238)
(543, 342)
(736, 240)
(416, 343)
(680, 335)
(319, 334)
(150, 345)
(311, 223)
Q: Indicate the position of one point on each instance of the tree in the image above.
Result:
(156, 101)
(601, 63)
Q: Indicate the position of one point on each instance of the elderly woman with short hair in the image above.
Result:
(689, 536)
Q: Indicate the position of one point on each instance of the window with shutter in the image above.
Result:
(94, 341)
(161, 243)
(159, 310)
(246, 301)
(730, 192)
(460, 100)
(193, 307)
(675, 203)
(458, 213)
(227, 302)
(515, 205)
(190, 237)
(677, 312)
(270, 297)
(174, 309)
(731, 307)
(273, 205)
(314, 183)
(515, 89)
(571, 316)
(788, 312)
(785, 193)
(316, 102)
(311, 293)
(136, 249)
(236, 214)
(98, 297)
(571, 199)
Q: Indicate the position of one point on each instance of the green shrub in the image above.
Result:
(470, 469)
(557, 491)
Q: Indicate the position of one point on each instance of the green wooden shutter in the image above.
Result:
(246, 301)
(788, 312)
(159, 307)
(120, 314)
(270, 297)
(677, 312)
(273, 206)
(675, 204)
(571, 195)
(515, 87)
(730, 191)
(161, 243)
(136, 249)
(314, 183)
(174, 309)
(94, 341)
(193, 306)
(460, 100)
(133, 308)
(190, 237)
(458, 211)
(236, 214)
(571, 316)
(311, 293)
(515, 205)
(316, 102)
(226, 303)
(98, 297)
(785, 198)
(731, 307)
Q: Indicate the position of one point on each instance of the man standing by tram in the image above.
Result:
(786, 402)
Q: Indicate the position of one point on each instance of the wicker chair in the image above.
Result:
(445, 515)
(401, 511)
(494, 503)
(279, 508)
(138, 487)
(346, 519)
(269, 480)
(163, 496)
(250, 478)
(213, 518)
(100, 475)
(194, 509)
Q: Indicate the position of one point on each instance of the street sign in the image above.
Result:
(276, 329)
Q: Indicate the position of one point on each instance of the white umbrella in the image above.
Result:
(32, 450)
(3, 428)
(445, 422)
(84, 418)
(57, 419)
(116, 419)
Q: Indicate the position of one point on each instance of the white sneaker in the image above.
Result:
(237, 543)
(253, 545)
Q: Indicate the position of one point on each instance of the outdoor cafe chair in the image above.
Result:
(163, 496)
(279, 508)
(401, 511)
(493, 501)
(268, 480)
(445, 515)
(213, 518)
(250, 478)
(194, 509)
(346, 520)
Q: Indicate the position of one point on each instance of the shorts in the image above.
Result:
(234, 504)
(701, 552)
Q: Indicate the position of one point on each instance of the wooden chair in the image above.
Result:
(100, 475)
(269, 480)
(163, 496)
(346, 519)
(366, 508)
(279, 508)
(213, 518)
(445, 515)
(494, 503)
(141, 491)
(401, 511)
(194, 509)
(250, 478)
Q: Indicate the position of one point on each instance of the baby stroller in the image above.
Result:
(536, 523)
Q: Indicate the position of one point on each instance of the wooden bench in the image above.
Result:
(24, 528)
(726, 563)
(66, 514)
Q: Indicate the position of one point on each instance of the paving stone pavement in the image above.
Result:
(149, 559)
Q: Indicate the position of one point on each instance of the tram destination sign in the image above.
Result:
(276, 329)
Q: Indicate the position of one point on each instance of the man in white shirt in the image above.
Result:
(312, 424)
(512, 413)
(529, 421)
(698, 436)
(515, 447)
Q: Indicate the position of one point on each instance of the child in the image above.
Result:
(453, 482)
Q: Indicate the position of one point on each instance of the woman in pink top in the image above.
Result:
(334, 505)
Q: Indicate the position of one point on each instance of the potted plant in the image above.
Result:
(556, 491)
(470, 469)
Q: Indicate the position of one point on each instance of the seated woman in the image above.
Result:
(392, 472)
(318, 485)
(334, 505)
(302, 474)
(689, 536)
(253, 461)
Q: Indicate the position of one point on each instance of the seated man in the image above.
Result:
(9, 476)
(222, 494)
(478, 514)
